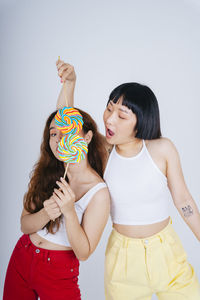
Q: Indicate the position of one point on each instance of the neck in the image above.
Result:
(76, 171)
(130, 148)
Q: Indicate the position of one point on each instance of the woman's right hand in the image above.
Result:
(66, 71)
(52, 209)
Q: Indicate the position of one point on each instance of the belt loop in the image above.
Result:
(126, 262)
(143, 243)
(160, 237)
(44, 255)
(47, 257)
(127, 243)
(124, 242)
(28, 242)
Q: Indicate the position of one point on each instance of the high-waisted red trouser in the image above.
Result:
(35, 272)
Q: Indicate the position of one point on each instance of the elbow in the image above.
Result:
(25, 230)
(22, 228)
(181, 202)
(182, 199)
(84, 257)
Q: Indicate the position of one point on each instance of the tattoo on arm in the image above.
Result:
(187, 211)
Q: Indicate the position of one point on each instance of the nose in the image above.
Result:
(59, 136)
(111, 118)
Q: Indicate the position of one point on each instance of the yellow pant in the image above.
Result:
(139, 268)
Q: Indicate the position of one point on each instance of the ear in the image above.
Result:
(135, 129)
(88, 136)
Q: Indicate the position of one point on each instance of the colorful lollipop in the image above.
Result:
(72, 149)
(69, 120)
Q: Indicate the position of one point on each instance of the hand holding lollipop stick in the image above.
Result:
(65, 88)
(68, 119)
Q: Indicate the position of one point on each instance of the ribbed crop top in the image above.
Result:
(138, 189)
(60, 237)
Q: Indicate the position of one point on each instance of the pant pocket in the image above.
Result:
(112, 270)
(177, 249)
(175, 256)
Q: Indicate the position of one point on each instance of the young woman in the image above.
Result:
(144, 254)
(62, 220)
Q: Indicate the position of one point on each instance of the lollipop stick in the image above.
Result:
(66, 170)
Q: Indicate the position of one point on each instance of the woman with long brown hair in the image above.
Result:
(62, 220)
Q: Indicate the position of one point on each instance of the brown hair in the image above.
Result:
(49, 169)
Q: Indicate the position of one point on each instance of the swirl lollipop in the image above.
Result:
(72, 149)
(69, 120)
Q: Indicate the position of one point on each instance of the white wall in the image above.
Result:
(109, 42)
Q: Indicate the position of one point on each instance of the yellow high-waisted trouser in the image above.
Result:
(139, 268)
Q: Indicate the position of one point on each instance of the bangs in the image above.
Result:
(141, 100)
(125, 102)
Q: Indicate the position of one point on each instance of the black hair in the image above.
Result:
(143, 103)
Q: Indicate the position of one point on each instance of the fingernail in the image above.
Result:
(61, 81)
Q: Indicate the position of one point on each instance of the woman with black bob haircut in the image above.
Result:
(143, 103)
(144, 255)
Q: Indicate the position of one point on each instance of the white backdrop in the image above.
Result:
(109, 42)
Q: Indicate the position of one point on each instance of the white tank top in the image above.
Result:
(60, 237)
(138, 189)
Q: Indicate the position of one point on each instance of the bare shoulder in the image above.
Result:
(101, 197)
(163, 146)
(103, 193)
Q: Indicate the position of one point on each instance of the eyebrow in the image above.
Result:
(125, 111)
(51, 128)
(121, 109)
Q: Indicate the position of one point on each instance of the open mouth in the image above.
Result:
(109, 133)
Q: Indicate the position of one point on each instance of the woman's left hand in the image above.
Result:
(66, 72)
(64, 197)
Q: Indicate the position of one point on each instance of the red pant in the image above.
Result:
(33, 272)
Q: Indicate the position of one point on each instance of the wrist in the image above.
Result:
(45, 215)
(69, 213)
(70, 83)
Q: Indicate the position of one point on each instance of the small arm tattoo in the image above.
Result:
(187, 211)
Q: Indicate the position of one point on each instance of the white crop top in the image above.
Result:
(138, 189)
(60, 237)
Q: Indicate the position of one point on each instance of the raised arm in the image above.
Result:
(68, 78)
(182, 198)
(83, 238)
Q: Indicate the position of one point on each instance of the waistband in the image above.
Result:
(166, 233)
(50, 256)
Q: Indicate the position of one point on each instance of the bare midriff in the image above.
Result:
(141, 231)
(38, 241)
